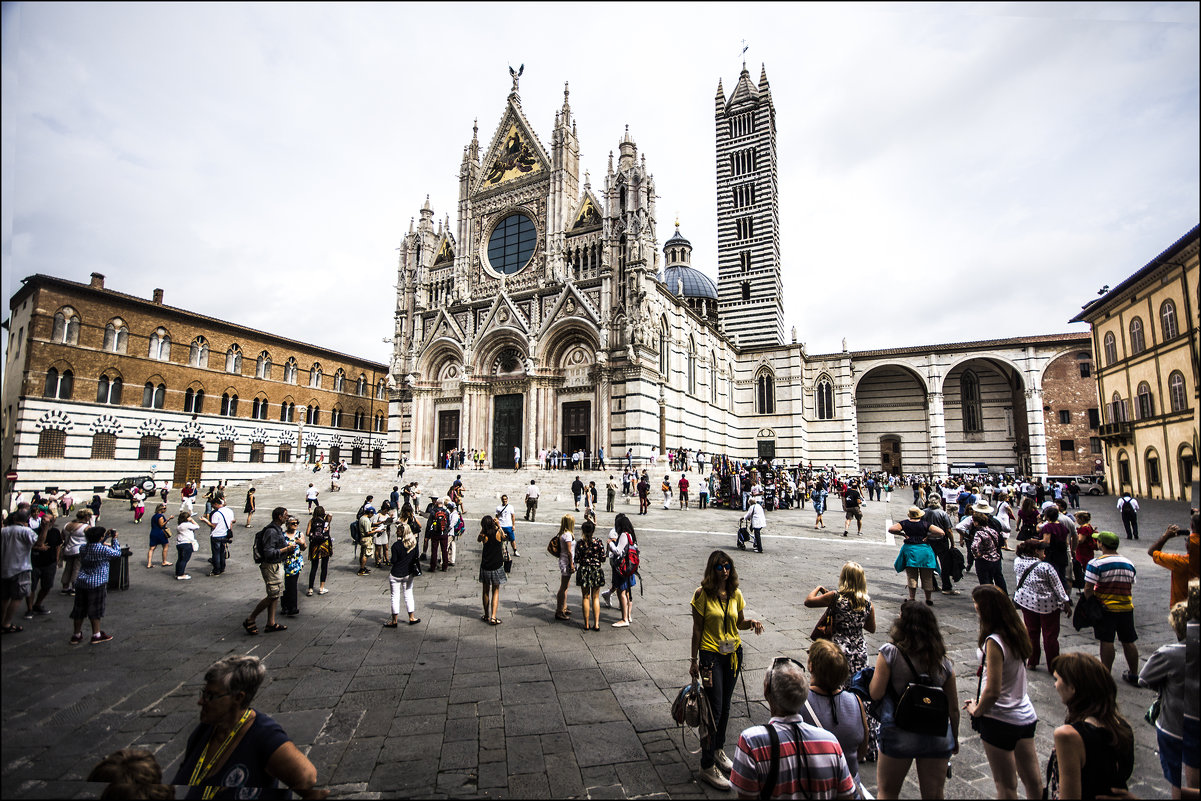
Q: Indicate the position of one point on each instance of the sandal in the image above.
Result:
(414, 622)
(10, 629)
(276, 627)
(310, 592)
(250, 626)
(495, 622)
(390, 625)
(168, 564)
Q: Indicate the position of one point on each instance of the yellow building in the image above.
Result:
(1144, 334)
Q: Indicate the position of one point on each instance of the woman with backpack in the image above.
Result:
(984, 543)
(1002, 712)
(910, 670)
(716, 655)
(560, 547)
(1094, 749)
(321, 547)
(622, 540)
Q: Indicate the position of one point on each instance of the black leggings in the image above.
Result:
(719, 692)
(324, 561)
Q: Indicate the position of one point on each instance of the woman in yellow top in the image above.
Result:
(717, 617)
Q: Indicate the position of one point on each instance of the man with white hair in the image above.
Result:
(788, 758)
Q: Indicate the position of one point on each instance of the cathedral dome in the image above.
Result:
(692, 282)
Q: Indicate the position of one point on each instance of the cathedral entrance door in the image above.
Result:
(506, 428)
(448, 433)
(189, 458)
(890, 455)
(577, 423)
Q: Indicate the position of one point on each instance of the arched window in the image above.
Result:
(765, 393)
(1167, 319)
(730, 385)
(825, 399)
(713, 384)
(379, 422)
(1111, 349)
(969, 397)
(339, 380)
(1138, 342)
(315, 376)
(160, 345)
(116, 336)
(153, 397)
(1151, 459)
(148, 447)
(262, 367)
(59, 385)
(1118, 411)
(1176, 391)
(381, 389)
(290, 370)
(358, 420)
(108, 390)
(66, 327)
(229, 404)
(360, 387)
(104, 445)
(233, 359)
(335, 417)
(691, 366)
(193, 401)
(52, 443)
(1146, 407)
(198, 354)
(312, 414)
(664, 353)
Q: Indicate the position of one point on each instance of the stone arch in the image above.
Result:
(891, 404)
(498, 341)
(1061, 353)
(436, 355)
(987, 422)
(565, 335)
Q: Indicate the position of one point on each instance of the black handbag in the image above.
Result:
(1088, 612)
(508, 561)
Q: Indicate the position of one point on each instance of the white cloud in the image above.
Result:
(946, 171)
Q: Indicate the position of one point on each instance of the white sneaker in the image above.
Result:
(515, 552)
(605, 598)
(183, 578)
(621, 624)
(712, 776)
(723, 761)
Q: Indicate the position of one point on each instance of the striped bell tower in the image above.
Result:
(749, 286)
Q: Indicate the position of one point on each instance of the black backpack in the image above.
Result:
(923, 707)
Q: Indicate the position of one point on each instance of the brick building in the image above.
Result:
(1071, 416)
(100, 384)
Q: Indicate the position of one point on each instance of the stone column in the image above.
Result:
(533, 408)
(938, 434)
(420, 451)
(603, 426)
(1036, 431)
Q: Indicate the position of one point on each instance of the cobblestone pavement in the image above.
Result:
(453, 707)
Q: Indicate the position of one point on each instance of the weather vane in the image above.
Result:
(745, 47)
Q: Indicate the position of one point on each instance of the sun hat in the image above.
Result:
(982, 507)
(915, 513)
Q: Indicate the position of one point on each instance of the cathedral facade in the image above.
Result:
(546, 315)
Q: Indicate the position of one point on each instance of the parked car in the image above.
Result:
(1089, 485)
(122, 488)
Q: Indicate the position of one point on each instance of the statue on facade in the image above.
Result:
(516, 74)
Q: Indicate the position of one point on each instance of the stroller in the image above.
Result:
(744, 534)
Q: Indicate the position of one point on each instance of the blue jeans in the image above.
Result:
(720, 693)
(182, 554)
(218, 546)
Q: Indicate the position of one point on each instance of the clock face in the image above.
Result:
(512, 243)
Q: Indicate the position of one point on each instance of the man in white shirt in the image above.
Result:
(504, 519)
(311, 496)
(516, 458)
(221, 521)
(531, 501)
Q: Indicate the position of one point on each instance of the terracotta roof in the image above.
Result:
(30, 283)
(1071, 336)
(1095, 305)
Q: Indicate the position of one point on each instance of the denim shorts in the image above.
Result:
(1171, 755)
(897, 743)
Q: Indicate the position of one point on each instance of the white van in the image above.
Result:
(1089, 485)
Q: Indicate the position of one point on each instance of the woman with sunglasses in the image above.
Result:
(717, 617)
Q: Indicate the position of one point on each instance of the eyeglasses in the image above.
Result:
(207, 696)
(726, 566)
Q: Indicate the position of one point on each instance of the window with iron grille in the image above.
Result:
(104, 446)
(256, 451)
(225, 450)
(148, 447)
(52, 444)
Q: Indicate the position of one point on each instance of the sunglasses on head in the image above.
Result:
(782, 660)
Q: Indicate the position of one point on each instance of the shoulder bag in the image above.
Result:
(824, 630)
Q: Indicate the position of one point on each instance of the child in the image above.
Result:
(1085, 549)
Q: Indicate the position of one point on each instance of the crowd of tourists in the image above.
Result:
(902, 707)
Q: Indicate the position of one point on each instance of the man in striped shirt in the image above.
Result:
(1110, 578)
(809, 762)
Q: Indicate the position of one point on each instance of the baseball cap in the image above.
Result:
(1107, 538)
(369, 510)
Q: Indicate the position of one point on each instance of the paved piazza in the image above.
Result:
(453, 707)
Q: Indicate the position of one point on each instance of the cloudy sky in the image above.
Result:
(947, 172)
